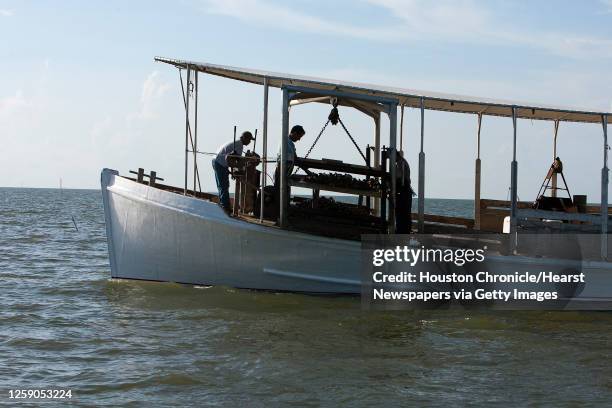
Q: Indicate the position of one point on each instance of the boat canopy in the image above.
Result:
(405, 97)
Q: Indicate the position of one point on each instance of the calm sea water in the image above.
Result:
(64, 324)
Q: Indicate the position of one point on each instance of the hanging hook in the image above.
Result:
(334, 116)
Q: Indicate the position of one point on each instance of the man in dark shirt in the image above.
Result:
(403, 198)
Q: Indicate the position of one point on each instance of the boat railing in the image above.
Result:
(493, 213)
(467, 223)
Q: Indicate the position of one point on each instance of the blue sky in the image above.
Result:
(79, 90)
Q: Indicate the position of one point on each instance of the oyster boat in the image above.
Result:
(275, 241)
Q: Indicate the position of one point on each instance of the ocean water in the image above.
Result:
(65, 325)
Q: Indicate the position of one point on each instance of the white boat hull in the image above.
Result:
(159, 235)
(163, 236)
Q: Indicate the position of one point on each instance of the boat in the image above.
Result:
(158, 232)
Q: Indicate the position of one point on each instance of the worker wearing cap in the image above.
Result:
(403, 196)
(297, 132)
(220, 167)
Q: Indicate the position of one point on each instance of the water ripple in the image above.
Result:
(64, 324)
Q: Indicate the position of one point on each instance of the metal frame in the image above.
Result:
(282, 214)
(401, 144)
(602, 218)
(604, 190)
(513, 185)
(195, 135)
(477, 178)
(386, 105)
(372, 106)
(264, 153)
(340, 94)
(189, 136)
(392, 163)
(554, 175)
(187, 128)
(377, 120)
(421, 225)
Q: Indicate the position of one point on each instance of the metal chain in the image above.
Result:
(348, 134)
(352, 140)
(317, 139)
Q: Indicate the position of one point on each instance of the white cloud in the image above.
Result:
(6, 13)
(118, 131)
(460, 21)
(440, 18)
(153, 89)
(100, 130)
(262, 12)
(468, 21)
(11, 104)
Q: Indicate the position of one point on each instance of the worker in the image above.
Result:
(297, 132)
(403, 196)
(220, 167)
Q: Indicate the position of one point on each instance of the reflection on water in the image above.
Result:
(63, 324)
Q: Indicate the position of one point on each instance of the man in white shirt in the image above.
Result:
(219, 164)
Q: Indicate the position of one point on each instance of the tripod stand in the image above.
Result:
(556, 203)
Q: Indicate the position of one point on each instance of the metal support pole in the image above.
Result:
(422, 171)
(477, 178)
(264, 153)
(604, 191)
(190, 133)
(392, 164)
(187, 129)
(282, 191)
(401, 145)
(195, 136)
(513, 185)
(554, 176)
(377, 158)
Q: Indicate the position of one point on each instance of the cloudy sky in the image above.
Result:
(79, 90)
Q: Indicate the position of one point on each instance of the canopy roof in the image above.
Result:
(405, 96)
